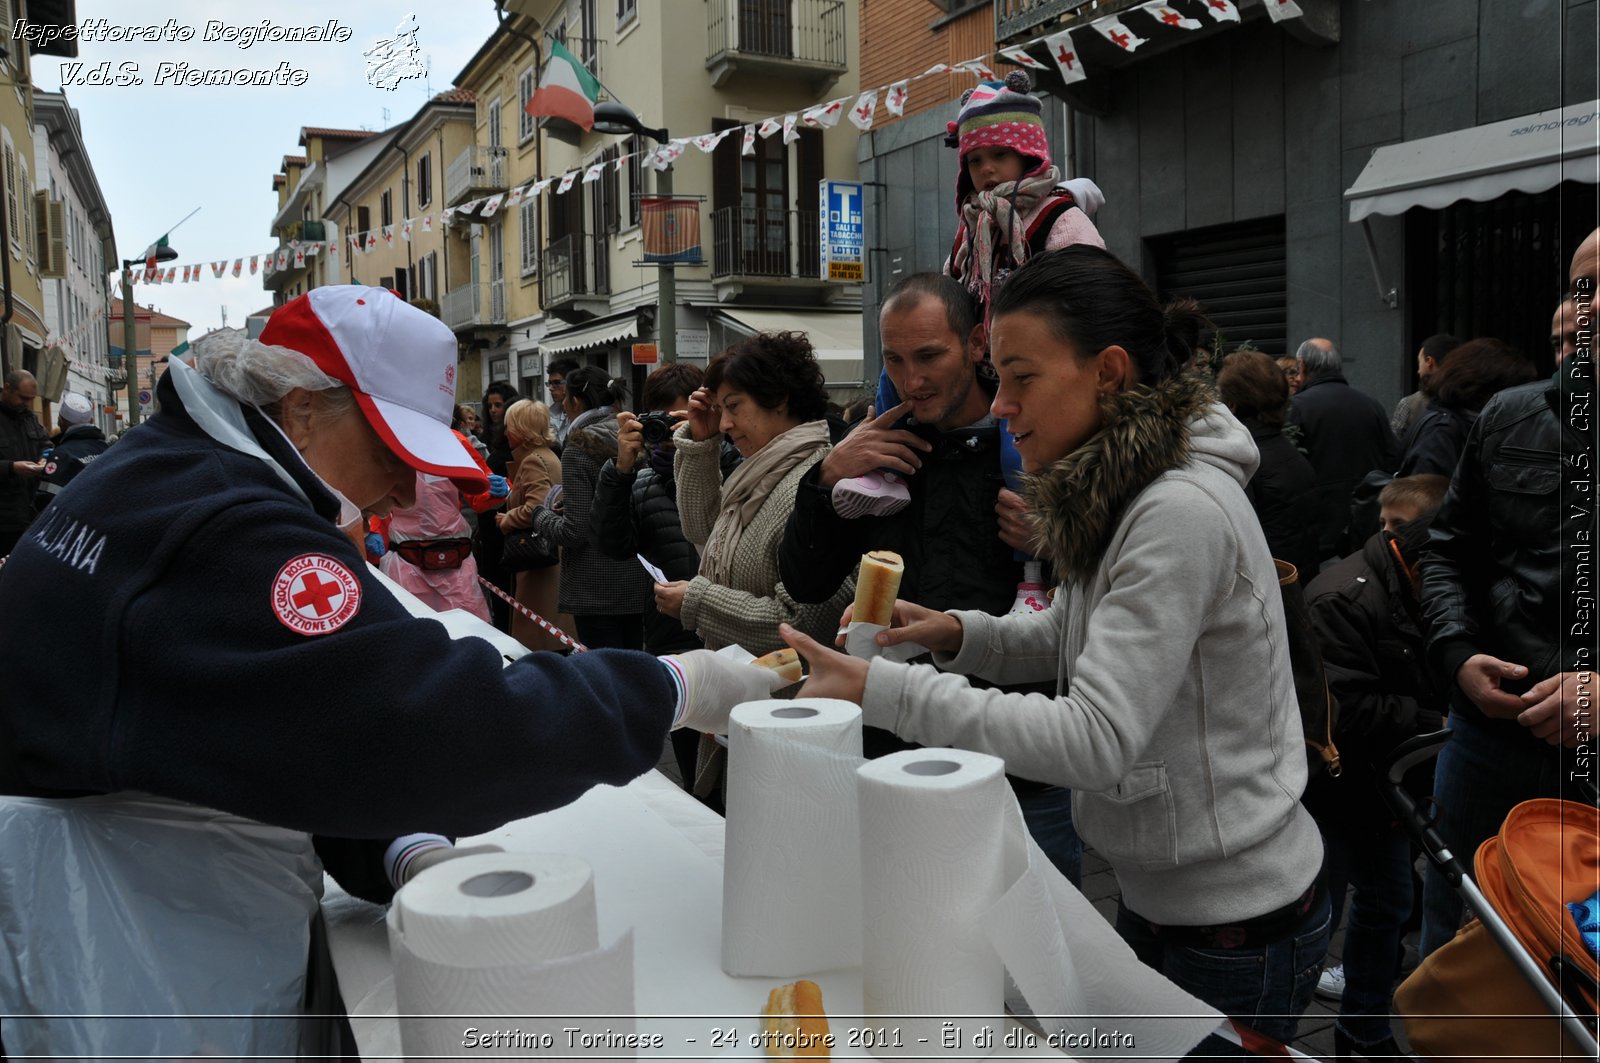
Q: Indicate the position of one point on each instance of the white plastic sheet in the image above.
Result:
(136, 925)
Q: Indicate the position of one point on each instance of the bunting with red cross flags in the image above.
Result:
(1222, 10)
(1021, 57)
(1164, 14)
(895, 101)
(865, 109)
(1278, 10)
(825, 115)
(1066, 56)
(1112, 29)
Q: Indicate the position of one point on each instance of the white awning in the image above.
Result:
(835, 336)
(1528, 154)
(594, 334)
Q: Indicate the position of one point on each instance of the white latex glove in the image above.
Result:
(433, 857)
(715, 684)
(1086, 194)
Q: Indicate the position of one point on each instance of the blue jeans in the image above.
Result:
(1048, 814)
(1484, 771)
(1266, 987)
(1375, 861)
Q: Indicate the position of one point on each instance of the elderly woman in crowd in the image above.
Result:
(536, 469)
(766, 396)
(1175, 722)
(606, 597)
(234, 690)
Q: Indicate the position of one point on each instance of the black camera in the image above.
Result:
(657, 427)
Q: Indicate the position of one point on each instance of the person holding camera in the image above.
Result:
(636, 511)
(605, 597)
(636, 500)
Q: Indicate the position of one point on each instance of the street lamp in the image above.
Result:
(619, 120)
(161, 253)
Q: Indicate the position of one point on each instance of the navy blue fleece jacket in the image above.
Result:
(169, 670)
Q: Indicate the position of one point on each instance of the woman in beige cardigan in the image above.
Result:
(766, 395)
(535, 469)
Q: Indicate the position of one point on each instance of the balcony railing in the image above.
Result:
(1013, 18)
(476, 171)
(571, 268)
(756, 242)
(474, 305)
(791, 37)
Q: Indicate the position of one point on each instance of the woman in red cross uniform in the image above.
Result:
(233, 698)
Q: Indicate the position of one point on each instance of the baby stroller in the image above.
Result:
(1517, 982)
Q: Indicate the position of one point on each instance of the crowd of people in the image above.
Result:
(1041, 410)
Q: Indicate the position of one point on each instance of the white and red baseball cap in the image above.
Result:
(400, 362)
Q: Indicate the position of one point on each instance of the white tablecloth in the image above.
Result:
(657, 858)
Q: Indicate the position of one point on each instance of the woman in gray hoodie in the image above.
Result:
(1175, 721)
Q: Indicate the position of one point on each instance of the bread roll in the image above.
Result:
(786, 662)
(877, 586)
(795, 1027)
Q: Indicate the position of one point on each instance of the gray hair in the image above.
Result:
(260, 375)
(17, 377)
(1317, 358)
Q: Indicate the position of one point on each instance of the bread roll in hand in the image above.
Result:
(877, 586)
(786, 662)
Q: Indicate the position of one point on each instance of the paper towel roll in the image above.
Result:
(505, 943)
(932, 846)
(791, 879)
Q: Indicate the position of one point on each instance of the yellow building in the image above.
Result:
(304, 185)
(689, 67)
(25, 217)
(394, 233)
(501, 288)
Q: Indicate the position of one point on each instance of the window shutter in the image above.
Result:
(11, 191)
(50, 230)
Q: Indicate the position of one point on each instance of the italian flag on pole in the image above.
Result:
(151, 252)
(566, 90)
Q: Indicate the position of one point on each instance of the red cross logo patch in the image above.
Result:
(315, 594)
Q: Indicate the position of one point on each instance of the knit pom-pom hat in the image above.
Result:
(999, 114)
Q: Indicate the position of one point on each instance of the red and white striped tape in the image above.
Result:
(566, 640)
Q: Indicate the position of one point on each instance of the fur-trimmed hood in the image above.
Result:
(595, 433)
(1147, 431)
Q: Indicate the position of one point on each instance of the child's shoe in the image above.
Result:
(879, 494)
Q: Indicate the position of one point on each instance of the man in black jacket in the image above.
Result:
(79, 443)
(1506, 631)
(961, 531)
(22, 443)
(1346, 433)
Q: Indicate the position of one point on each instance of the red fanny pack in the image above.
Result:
(430, 555)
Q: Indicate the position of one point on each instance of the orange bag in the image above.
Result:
(1467, 1001)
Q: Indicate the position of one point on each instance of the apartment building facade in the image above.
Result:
(24, 321)
(391, 216)
(495, 307)
(690, 68)
(155, 337)
(305, 185)
(76, 256)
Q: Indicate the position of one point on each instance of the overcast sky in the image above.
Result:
(160, 151)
